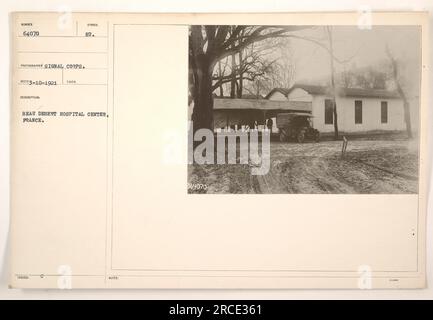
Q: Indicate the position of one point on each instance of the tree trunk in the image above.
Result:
(202, 115)
(335, 120)
(221, 76)
(233, 82)
(406, 108)
(406, 105)
(334, 94)
(241, 78)
(407, 119)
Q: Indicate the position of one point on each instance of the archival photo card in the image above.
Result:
(142, 145)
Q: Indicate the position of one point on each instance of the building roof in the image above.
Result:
(251, 96)
(283, 91)
(343, 92)
(244, 96)
(369, 93)
(261, 104)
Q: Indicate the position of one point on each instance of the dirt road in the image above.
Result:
(369, 166)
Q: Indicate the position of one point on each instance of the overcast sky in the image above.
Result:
(364, 47)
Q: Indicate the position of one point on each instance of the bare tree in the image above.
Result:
(347, 77)
(399, 86)
(210, 44)
(285, 71)
(220, 74)
(232, 78)
(241, 76)
(333, 88)
(274, 68)
(254, 63)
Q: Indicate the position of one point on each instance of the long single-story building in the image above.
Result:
(357, 109)
(253, 112)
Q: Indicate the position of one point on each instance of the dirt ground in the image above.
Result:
(370, 166)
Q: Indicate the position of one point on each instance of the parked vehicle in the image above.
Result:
(296, 126)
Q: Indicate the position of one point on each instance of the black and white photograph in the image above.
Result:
(303, 109)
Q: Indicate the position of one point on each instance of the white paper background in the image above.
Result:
(180, 6)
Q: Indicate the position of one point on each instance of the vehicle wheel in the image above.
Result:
(317, 136)
(300, 137)
(283, 135)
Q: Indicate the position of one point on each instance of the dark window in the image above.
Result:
(358, 111)
(329, 112)
(384, 111)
